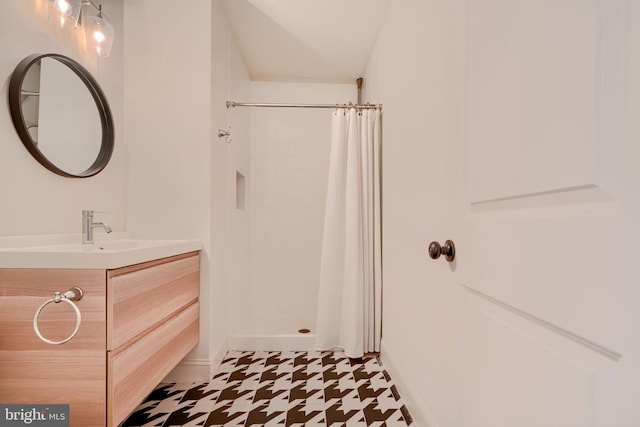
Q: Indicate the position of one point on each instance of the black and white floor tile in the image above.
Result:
(291, 389)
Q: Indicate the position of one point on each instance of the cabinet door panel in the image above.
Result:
(138, 368)
(143, 296)
(34, 372)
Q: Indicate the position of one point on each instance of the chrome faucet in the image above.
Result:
(88, 225)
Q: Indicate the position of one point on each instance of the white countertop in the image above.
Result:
(67, 251)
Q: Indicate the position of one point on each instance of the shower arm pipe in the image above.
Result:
(233, 104)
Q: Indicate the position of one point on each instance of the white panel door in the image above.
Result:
(548, 240)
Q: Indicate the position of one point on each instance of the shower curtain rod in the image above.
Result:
(232, 104)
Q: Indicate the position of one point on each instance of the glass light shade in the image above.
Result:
(65, 11)
(99, 34)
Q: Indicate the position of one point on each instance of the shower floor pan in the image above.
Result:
(273, 334)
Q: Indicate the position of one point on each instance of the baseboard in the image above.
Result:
(417, 409)
(218, 357)
(190, 371)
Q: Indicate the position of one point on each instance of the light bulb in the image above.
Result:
(65, 11)
(64, 7)
(99, 36)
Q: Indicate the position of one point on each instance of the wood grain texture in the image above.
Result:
(135, 371)
(148, 311)
(35, 372)
(144, 297)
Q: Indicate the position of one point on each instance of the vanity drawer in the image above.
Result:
(136, 369)
(142, 296)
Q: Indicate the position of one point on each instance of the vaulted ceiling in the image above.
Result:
(306, 40)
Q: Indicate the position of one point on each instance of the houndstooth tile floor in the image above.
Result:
(294, 389)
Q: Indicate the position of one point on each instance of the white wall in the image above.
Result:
(229, 226)
(416, 72)
(288, 179)
(179, 178)
(167, 99)
(34, 200)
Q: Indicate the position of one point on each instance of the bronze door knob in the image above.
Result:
(448, 249)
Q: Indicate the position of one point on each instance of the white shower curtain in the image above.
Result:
(349, 304)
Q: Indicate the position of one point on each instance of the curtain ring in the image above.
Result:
(68, 297)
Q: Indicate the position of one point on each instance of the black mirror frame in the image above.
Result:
(106, 118)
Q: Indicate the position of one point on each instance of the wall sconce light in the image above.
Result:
(98, 31)
(66, 11)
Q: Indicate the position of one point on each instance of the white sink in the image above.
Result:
(106, 246)
(104, 255)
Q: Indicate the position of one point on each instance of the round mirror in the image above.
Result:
(61, 115)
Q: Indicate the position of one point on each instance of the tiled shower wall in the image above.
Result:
(289, 167)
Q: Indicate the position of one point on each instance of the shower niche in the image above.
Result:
(240, 191)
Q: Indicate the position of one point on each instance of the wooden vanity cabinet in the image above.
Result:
(152, 313)
(138, 322)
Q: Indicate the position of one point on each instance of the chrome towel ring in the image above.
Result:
(73, 294)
